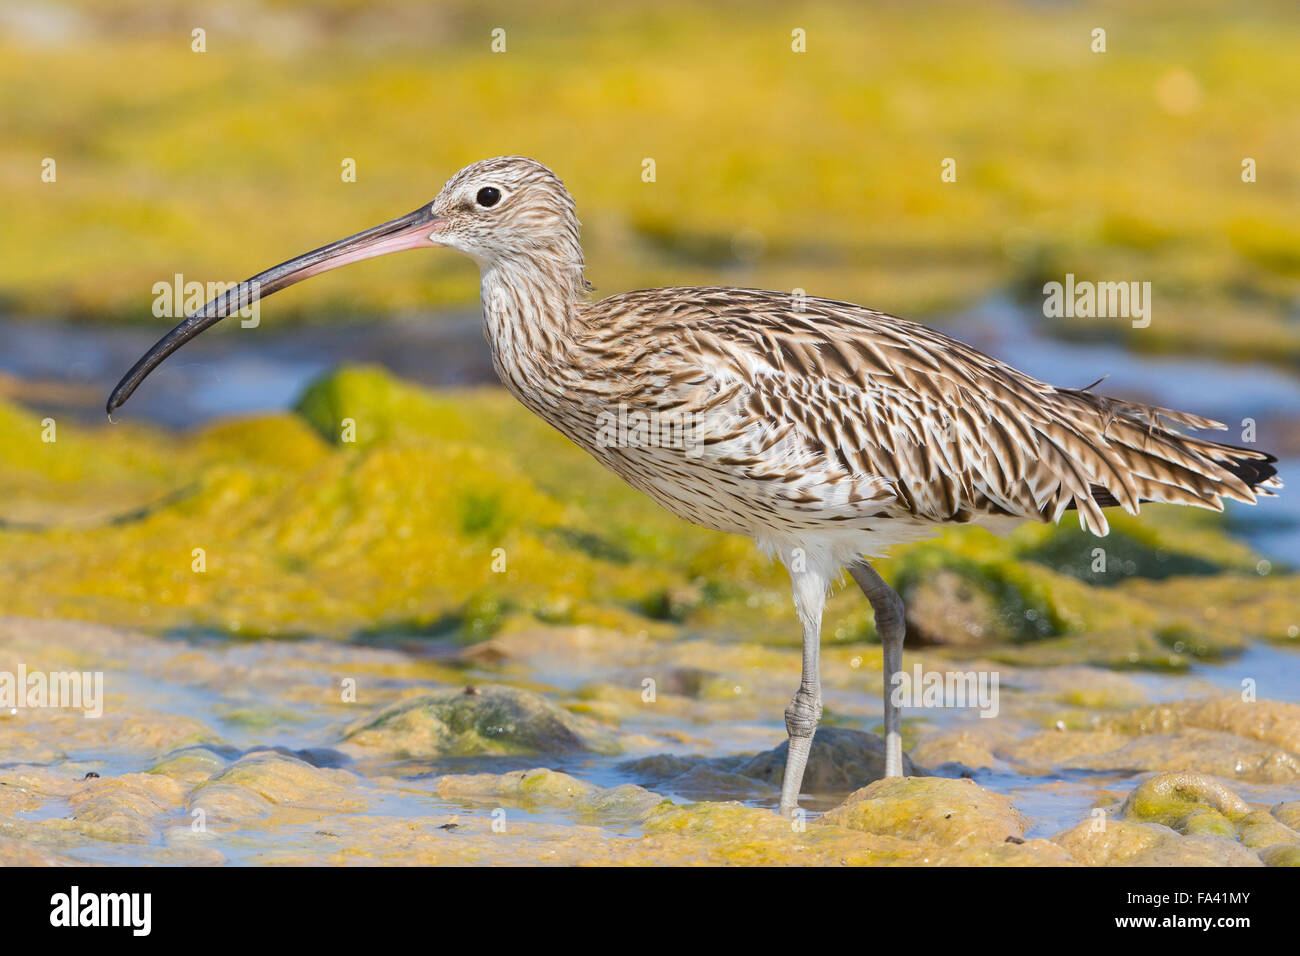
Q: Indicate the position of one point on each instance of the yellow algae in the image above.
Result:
(460, 515)
(1183, 818)
(931, 809)
(276, 441)
(541, 787)
(273, 785)
(974, 747)
(1187, 802)
(364, 404)
(1268, 721)
(17, 852)
(1028, 212)
(1260, 829)
(1128, 843)
(125, 809)
(191, 765)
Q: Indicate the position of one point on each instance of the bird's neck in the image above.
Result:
(530, 306)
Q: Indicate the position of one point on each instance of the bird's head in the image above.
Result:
(503, 210)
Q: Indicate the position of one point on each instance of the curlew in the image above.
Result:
(824, 431)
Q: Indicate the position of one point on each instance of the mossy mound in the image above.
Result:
(952, 813)
(541, 787)
(1184, 818)
(385, 511)
(268, 783)
(491, 720)
(841, 760)
(362, 405)
(1134, 548)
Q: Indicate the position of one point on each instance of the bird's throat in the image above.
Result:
(529, 309)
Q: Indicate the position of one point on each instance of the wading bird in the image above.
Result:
(824, 431)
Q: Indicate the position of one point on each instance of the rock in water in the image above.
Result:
(498, 720)
(841, 760)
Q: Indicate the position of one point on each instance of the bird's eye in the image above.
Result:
(488, 196)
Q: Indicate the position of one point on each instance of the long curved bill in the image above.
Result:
(416, 230)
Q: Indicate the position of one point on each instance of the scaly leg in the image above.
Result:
(805, 708)
(888, 607)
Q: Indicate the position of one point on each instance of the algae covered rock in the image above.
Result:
(1186, 802)
(1133, 549)
(1280, 855)
(546, 788)
(1230, 738)
(1129, 843)
(491, 720)
(1288, 813)
(964, 600)
(272, 784)
(952, 813)
(700, 778)
(22, 853)
(731, 833)
(840, 760)
(1183, 819)
(124, 809)
(361, 405)
(191, 765)
(947, 608)
(1267, 721)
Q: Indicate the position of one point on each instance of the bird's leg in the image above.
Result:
(888, 607)
(805, 708)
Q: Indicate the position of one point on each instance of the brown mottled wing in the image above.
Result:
(835, 396)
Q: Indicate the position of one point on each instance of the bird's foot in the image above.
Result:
(801, 719)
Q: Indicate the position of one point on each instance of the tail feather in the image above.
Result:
(1136, 458)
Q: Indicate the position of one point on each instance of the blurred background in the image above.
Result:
(818, 170)
(773, 167)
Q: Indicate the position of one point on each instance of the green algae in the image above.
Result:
(1161, 542)
(1019, 605)
(1129, 843)
(1184, 818)
(459, 515)
(1186, 802)
(360, 406)
(489, 720)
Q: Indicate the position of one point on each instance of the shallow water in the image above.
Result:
(251, 696)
